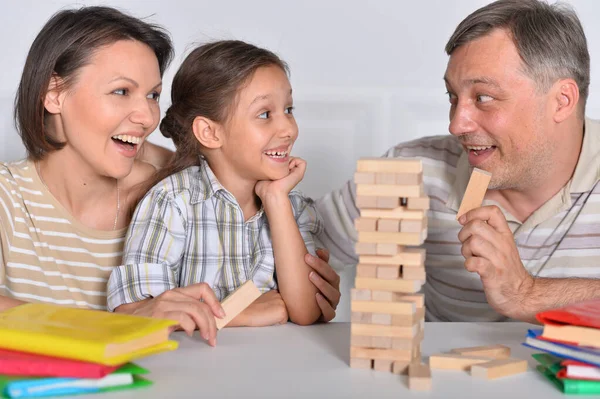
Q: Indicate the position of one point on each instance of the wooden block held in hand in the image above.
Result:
(419, 377)
(356, 363)
(237, 301)
(478, 184)
(499, 368)
(455, 362)
(493, 351)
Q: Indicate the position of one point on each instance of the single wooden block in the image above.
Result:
(408, 343)
(387, 202)
(356, 363)
(446, 361)
(407, 257)
(409, 179)
(364, 224)
(237, 301)
(412, 226)
(363, 202)
(408, 286)
(388, 190)
(422, 203)
(362, 248)
(383, 365)
(364, 178)
(400, 367)
(387, 354)
(398, 213)
(389, 165)
(413, 273)
(384, 331)
(391, 238)
(388, 249)
(361, 341)
(385, 178)
(381, 319)
(493, 351)
(388, 225)
(382, 343)
(419, 377)
(408, 308)
(408, 320)
(388, 272)
(360, 295)
(361, 317)
(417, 299)
(499, 368)
(478, 184)
(368, 271)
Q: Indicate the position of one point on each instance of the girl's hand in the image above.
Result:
(268, 310)
(282, 187)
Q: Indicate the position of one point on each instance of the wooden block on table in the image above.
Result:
(382, 343)
(237, 301)
(363, 202)
(364, 178)
(499, 368)
(419, 377)
(388, 272)
(361, 317)
(387, 296)
(387, 354)
(362, 248)
(385, 178)
(388, 190)
(407, 286)
(400, 367)
(408, 320)
(383, 365)
(446, 361)
(387, 202)
(368, 271)
(365, 224)
(411, 226)
(398, 213)
(389, 165)
(413, 273)
(361, 341)
(478, 184)
(384, 331)
(406, 308)
(388, 225)
(492, 351)
(360, 295)
(418, 203)
(391, 238)
(407, 257)
(356, 363)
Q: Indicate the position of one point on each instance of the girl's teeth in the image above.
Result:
(128, 139)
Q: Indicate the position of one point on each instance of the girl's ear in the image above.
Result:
(55, 95)
(207, 132)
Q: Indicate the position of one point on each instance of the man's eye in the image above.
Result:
(482, 98)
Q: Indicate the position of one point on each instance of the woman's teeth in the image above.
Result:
(276, 154)
(127, 139)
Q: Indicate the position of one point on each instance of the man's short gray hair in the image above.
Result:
(549, 39)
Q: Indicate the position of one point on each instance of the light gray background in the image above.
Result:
(366, 74)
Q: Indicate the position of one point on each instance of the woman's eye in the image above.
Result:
(154, 96)
(121, 92)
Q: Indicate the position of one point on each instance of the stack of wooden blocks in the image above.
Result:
(387, 310)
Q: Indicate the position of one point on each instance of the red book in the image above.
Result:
(28, 364)
(585, 314)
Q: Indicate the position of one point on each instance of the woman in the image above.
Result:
(87, 100)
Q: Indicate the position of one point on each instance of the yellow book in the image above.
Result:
(81, 334)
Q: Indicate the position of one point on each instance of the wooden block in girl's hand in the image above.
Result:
(237, 301)
(478, 184)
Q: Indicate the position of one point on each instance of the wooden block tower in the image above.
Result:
(387, 311)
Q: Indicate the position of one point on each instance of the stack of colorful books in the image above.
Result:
(48, 350)
(570, 340)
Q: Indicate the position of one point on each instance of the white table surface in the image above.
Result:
(312, 362)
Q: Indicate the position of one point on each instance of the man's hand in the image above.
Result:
(327, 282)
(489, 249)
(268, 310)
(193, 307)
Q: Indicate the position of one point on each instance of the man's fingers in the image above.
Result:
(490, 214)
(327, 310)
(480, 266)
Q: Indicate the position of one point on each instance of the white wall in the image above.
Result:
(366, 74)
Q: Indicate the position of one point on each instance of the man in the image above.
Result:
(517, 81)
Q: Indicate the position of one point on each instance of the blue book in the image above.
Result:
(585, 354)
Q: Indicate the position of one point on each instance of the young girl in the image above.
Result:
(226, 213)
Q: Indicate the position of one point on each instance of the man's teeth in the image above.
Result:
(276, 154)
(479, 148)
(128, 139)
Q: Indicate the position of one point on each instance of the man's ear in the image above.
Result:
(53, 101)
(207, 132)
(566, 98)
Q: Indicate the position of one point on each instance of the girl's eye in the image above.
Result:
(121, 92)
(264, 115)
(289, 110)
(154, 96)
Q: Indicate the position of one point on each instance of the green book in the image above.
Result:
(550, 366)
